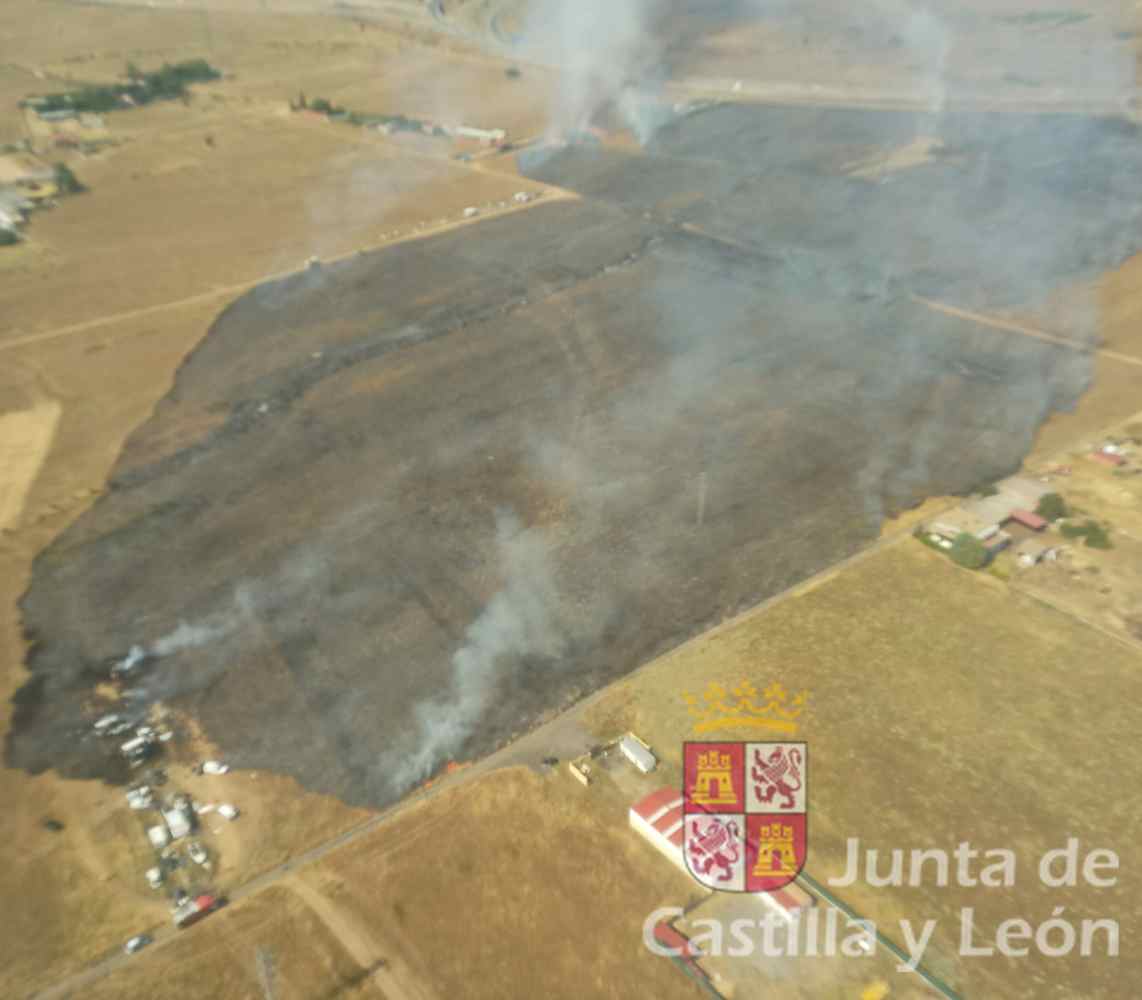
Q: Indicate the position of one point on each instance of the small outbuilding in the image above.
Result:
(638, 753)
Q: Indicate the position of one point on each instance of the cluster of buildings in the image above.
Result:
(1115, 454)
(26, 184)
(19, 200)
(1004, 519)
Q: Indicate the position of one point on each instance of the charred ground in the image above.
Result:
(699, 384)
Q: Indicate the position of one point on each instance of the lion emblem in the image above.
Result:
(779, 774)
(715, 847)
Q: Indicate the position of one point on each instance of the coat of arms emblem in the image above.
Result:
(745, 823)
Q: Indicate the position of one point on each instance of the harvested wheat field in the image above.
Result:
(992, 718)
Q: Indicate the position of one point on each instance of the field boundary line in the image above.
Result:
(1010, 326)
(550, 196)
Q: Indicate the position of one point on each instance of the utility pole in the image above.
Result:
(264, 960)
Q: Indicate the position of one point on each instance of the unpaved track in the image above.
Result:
(996, 323)
(552, 193)
(387, 971)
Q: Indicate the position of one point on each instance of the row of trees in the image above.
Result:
(398, 123)
(166, 83)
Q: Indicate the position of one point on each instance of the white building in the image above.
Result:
(485, 135)
(638, 753)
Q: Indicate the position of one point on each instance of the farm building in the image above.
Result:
(1028, 519)
(1107, 458)
(638, 753)
(997, 543)
(1014, 500)
(658, 818)
(487, 136)
(962, 521)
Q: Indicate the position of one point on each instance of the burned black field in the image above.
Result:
(395, 509)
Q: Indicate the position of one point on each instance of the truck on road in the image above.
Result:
(195, 908)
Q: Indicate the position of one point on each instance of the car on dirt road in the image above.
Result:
(197, 852)
(137, 943)
(154, 877)
(228, 811)
(214, 767)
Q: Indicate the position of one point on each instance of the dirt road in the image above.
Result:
(230, 291)
(386, 969)
(996, 323)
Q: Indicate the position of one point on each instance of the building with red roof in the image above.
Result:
(1106, 458)
(1027, 519)
(658, 817)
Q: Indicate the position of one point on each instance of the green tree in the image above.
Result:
(1097, 536)
(1051, 506)
(66, 180)
(8, 237)
(968, 551)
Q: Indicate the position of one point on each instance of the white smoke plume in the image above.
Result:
(187, 636)
(597, 46)
(520, 621)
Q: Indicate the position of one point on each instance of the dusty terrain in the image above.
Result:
(114, 288)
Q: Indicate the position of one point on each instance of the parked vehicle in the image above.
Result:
(228, 811)
(214, 767)
(154, 877)
(137, 943)
(140, 797)
(197, 852)
(195, 909)
(105, 723)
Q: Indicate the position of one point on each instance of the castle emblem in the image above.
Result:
(745, 822)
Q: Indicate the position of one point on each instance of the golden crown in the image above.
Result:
(742, 708)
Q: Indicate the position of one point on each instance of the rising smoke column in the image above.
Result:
(521, 621)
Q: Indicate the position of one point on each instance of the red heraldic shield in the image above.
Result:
(745, 824)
